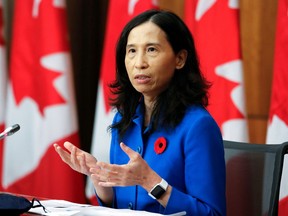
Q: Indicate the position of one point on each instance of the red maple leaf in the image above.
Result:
(38, 30)
(217, 41)
(279, 97)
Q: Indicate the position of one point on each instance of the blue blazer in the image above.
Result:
(192, 163)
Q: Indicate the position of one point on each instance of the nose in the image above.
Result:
(141, 61)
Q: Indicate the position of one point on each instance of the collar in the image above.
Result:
(138, 117)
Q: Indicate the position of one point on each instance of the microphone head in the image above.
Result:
(14, 129)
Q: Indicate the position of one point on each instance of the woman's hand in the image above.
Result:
(136, 172)
(83, 162)
(76, 158)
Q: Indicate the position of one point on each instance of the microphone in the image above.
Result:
(9, 131)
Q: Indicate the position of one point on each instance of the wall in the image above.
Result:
(258, 18)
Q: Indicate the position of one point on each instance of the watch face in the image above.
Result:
(157, 191)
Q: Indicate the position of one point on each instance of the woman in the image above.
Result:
(166, 150)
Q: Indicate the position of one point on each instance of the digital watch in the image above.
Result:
(158, 190)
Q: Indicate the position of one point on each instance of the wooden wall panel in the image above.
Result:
(257, 32)
(172, 5)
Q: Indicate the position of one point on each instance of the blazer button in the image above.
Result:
(130, 205)
(139, 149)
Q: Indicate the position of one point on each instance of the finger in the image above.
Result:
(60, 150)
(99, 173)
(98, 176)
(104, 174)
(107, 184)
(73, 156)
(94, 170)
(65, 156)
(97, 181)
(103, 165)
(102, 182)
(82, 161)
(57, 147)
(109, 167)
(131, 154)
(69, 146)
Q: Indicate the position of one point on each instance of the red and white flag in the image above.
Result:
(3, 78)
(40, 98)
(215, 27)
(278, 117)
(119, 13)
(3, 70)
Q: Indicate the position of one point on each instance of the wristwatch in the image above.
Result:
(158, 190)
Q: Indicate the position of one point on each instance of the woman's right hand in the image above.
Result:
(76, 158)
(82, 162)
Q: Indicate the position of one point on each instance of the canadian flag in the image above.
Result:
(215, 27)
(278, 117)
(119, 13)
(3, 71)
(40, 98)
(3, 77)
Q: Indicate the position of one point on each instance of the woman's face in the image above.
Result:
(149, 60)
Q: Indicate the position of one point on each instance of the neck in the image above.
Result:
(149, 105)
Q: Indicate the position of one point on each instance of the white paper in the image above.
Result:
(66, 208)
(102, 211)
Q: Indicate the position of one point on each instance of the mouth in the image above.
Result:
(140, 78)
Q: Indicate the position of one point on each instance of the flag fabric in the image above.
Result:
(119, 13)
(3, 69)
(3, 79)
(215, 27)
(278, 116)
(40, 98)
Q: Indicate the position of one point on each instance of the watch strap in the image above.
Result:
(159, 189)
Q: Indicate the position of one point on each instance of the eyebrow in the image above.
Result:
(148, 44)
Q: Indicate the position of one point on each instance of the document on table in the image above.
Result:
(66, 208)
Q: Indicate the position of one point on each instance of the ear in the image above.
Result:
(181, 59)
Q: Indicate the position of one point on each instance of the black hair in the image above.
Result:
(188, 85)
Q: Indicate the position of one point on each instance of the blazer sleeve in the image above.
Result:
(204, 172)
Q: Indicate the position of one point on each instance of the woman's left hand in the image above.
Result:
(135, 172)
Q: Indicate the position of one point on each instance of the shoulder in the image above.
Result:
(198, 114)
(200, 132)
(117, 117)
(198, 122)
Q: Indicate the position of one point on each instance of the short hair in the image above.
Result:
(188, 85)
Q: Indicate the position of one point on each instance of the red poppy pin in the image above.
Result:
(160, 145)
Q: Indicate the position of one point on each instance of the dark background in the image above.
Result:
(86, 23)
